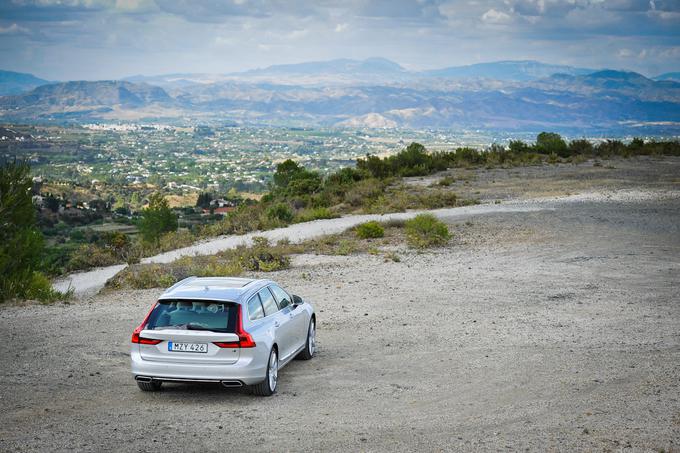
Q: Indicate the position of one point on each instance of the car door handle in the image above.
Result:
(276, 324)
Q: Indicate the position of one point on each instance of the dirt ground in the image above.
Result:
(557, 329)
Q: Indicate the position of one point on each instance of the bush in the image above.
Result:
(40, 288)
(446, 181)
(425, 230)
(281, 212)
(175, 240)
(315, 214)
(88, 256)
(370, 230)
(364, 192)
(260, 257)
(551, 143)
(144, 276)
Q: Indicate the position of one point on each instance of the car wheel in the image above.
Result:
(268, 386)
(310, 346)
(152, 386)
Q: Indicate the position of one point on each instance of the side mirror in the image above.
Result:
(297, 300)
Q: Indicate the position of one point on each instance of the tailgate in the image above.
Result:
(189, 346)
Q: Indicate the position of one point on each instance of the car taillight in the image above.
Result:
(245, 340)
(135, 335)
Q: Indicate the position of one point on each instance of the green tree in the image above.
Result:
(21, 243)
(376, 166)
(285, 171)
(412, 161)
(204, 199)
(580, 147)
(157, 218)
(518, 147)
(550, 142)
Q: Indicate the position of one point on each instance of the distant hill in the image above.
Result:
(340, 66)
(176, 80)
(371, 70)
(674, 76)
(620, 83)
(83, 99)
(18, 82)
(507, 70)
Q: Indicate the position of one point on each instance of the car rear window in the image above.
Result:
(193, 315)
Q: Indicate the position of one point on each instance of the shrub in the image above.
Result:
(315, 214)
(370, 230)
(434, 200)
(40, 288)
(261, 257)
(88, 256)
(143, 276)
(425, 230)
(446, 181)
(281, 212)
(582, 146)
(364, 192)
(346, 247)
(209, 266)
(175, 240)
(392, 256)
(551, 143)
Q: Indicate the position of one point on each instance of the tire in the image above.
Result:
(268, 386)
(310, 345)
(152, 386)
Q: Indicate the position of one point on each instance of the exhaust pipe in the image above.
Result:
(231, 384)
(143, 378)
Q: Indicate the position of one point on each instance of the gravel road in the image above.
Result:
(91, 282)
(542, 330)
(520, 189)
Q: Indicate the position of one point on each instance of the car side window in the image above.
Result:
(268, 302)
(255, 310)
(281, 296)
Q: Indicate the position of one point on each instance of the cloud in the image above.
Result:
(112, 38)
(13, 29)
(493, 16)
(219, 10)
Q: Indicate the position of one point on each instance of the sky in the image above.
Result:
(108, 39)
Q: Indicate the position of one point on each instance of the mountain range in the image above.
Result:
(368, 93)
(18, 82)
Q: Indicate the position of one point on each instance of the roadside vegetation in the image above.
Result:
(425, 230)
(21, 243)
(379, 239)
(550, 148)
(298, 194)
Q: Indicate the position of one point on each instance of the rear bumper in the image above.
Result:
(248, 370)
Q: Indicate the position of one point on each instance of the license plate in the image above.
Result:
(187, 347)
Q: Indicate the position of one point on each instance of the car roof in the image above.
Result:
(214, 288)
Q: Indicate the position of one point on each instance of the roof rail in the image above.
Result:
(180, 283)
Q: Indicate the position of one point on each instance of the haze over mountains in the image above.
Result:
(363, 93)
(18, 82)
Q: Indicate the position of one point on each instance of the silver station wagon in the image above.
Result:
(233, 331)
